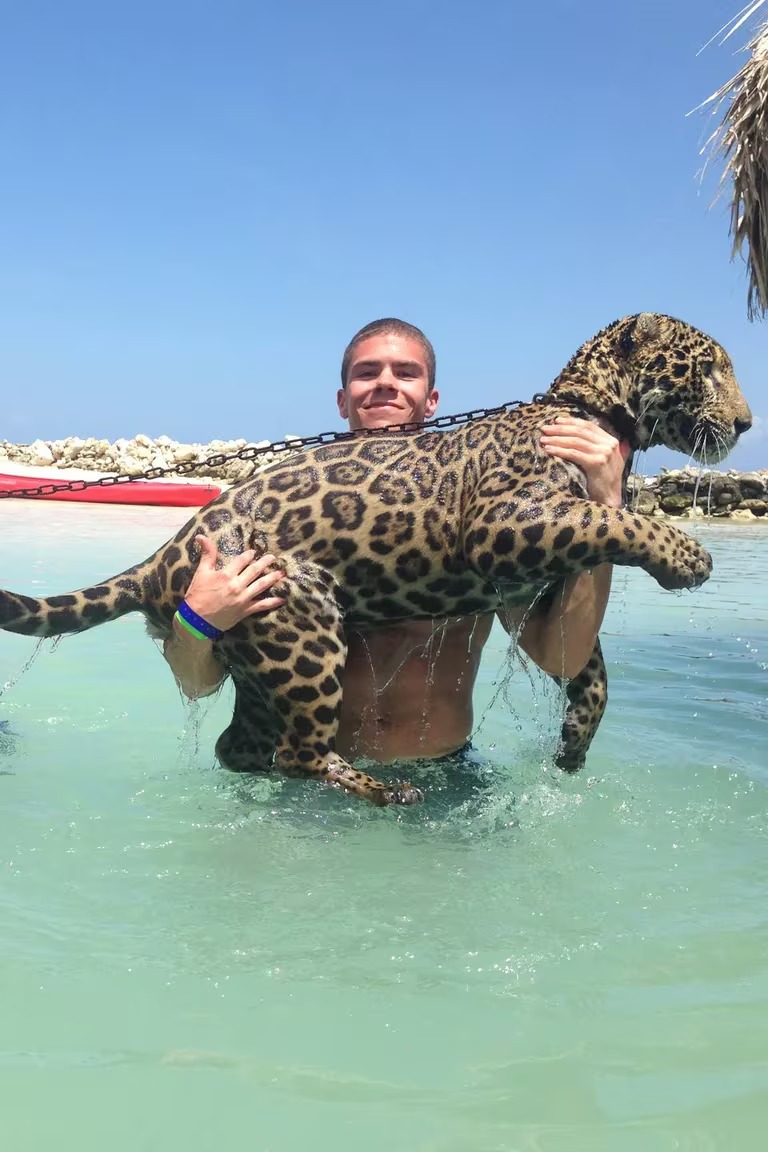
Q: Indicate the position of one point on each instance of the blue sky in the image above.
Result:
(202, 202)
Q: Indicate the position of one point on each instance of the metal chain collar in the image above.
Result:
(253, 452)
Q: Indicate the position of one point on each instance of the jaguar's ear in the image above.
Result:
(638, 330)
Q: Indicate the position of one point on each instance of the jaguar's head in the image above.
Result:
(660, 381)
(687, 395)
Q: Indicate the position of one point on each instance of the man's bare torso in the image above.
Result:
(408, 689)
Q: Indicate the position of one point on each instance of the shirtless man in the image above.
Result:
(408, 687)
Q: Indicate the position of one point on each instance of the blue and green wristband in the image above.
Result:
(196, 625)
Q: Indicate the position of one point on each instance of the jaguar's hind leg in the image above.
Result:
(310, 705)
(248, 744)
(295, 659)
(329, 768)
(587, 696)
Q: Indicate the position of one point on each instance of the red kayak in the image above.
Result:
(162, 493)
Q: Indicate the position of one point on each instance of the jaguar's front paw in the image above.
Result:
(686, 566)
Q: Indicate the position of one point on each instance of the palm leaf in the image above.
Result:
(740, 143)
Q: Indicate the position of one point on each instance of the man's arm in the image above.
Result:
(560, 637)
(198, 672)
(223, 596)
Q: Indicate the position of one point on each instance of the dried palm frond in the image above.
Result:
(741, 142)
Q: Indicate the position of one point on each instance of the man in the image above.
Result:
(408, 687)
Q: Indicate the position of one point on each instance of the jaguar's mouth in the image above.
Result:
(709, 440)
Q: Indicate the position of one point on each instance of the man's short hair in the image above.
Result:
(390, 326)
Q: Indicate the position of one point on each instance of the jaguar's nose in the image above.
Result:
(742, 426)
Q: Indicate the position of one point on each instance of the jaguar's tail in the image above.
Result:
(131, 591)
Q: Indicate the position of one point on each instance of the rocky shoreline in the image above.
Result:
(686, 492)
(692, 492)
(137, 455)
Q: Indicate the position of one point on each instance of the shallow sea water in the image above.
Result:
(190, 960)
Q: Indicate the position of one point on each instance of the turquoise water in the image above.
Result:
(189, 959)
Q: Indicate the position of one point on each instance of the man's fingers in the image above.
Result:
(264, 583)
(569, 450)
(574, 456)
(256, 569)
(208, 550)
(579, 430)
(239, 564)
(599, 449)
(265, 604)
(580, 434)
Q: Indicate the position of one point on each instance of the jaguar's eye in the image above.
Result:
(705, 367)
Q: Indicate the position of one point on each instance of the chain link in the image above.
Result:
(253, 452)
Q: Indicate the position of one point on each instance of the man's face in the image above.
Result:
(387, 383)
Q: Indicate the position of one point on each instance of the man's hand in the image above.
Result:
(226, 595)
(599, 453)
